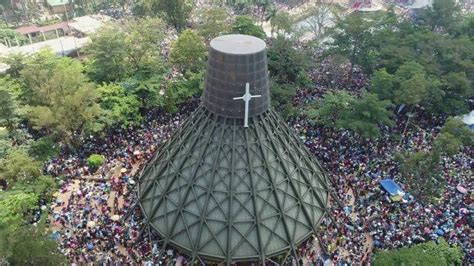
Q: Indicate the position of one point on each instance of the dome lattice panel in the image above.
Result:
(225, 193)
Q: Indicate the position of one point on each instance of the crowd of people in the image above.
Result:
(89, 212)
(373, 220)
(88, 215)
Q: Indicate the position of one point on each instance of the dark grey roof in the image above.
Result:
(223, 193)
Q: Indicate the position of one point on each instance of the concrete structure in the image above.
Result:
(221, 192)
(87, 25)
(30, 32)
(59, 6)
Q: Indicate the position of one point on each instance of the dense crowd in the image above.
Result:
(90, 220)
(374, 220)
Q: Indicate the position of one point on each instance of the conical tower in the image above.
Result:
(226, 190)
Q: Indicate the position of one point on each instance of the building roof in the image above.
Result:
(238, 44)
(60, 46)
(34, 28)
(58, 2)
(86, 24)
(222, 192)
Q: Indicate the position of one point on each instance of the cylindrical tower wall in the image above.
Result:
(235, 60)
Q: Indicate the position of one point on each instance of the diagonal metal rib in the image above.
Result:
(209, 192)
(189, 185)
(292, 138)
(303, 174)
(231, 196)
(254, 194)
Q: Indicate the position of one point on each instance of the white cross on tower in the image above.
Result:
(247, 97)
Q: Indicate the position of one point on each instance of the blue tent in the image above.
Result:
(391, 187)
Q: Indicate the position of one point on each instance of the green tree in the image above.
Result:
(11, 37)
(181, 89)
(176, 12)
(62, 101)
(454, 134)
(19, 166)
(13, 206)
(413, 85)
(362, 115)
(189, 52)
(330, 109)
(95, 160)
(282, 94)
(466, 27)
(16, 62)
(8, 109)
(366, 114)
(285, 62)
(321, 15)
(5, 143)
(10, 92)
(212, 22)
(29, 245)
(43, 149)
(281, 22)
(451, 94)
(148, 90)
(246, 25)
(282, 99)
(105, 61)
(443, 14)
(353, 38)
(420, 171)
(429, 253)
(383, 84)
(120, 107)
(133, 51)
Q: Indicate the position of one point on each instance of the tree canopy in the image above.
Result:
(61, 99)
(362, 115)
(430, 253)
(246, 25)
(133, 52)
(212, 22)
(189, 52)
(175, 12)
(285, 62)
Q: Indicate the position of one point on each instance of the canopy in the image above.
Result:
(391, 187)
(468, 119)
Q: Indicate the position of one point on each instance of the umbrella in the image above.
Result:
(90, 224)
(90, 246)
(461, 189)
(115, 217)
(123, 170)
(55, 235)
(396, 198)
(439, 232)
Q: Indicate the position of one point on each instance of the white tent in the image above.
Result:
(468, 118)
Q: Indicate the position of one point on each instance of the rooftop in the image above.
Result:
(238, 44)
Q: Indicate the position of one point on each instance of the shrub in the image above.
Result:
(95, 160)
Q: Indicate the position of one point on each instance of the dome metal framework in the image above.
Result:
(224, 193)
